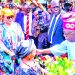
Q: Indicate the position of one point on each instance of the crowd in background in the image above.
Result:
(45, 28)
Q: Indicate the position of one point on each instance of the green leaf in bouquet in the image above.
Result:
(47, 62)
(51, 73)
(58, 66)
(64, 73)
(53, 66)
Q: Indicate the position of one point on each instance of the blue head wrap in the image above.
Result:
(25, 48)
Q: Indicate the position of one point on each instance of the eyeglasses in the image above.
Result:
(55, 7)
(8, 17)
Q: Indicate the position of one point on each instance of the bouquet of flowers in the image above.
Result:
(57, 65)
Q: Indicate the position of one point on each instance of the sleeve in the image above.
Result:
(59, 49)
(31, 72)
(2, 46)
(20, 33)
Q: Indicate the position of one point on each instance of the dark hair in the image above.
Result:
(67, 6)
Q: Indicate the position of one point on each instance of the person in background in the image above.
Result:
(21, 18)
(41, 13)
(68, 6)
(27, 51)
(33, 7)
(5, 4)
(10, 36)
(35, 32)
(55, 30)
(41, 18)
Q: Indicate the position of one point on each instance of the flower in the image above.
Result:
(60, 66)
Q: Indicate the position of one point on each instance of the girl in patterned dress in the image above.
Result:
(26, 51)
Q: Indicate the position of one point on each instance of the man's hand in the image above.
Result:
(38, 52)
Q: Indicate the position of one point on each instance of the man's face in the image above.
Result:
(69, 35)
(25, 9)
(55, 9)
(36, 14)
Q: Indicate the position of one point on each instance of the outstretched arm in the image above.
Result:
(43, 51)
(56, 50)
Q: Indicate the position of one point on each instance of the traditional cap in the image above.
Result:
(69, 25)
(7, 12)
(25, 48)
(68, 21)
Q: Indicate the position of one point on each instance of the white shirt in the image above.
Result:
(64, 47)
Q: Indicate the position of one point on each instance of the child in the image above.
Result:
(26, 51)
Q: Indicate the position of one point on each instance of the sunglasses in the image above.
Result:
(8, 17)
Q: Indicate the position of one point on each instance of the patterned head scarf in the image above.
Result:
(25, 48)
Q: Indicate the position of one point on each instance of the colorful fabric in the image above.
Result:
(9, 39)
(26, 70)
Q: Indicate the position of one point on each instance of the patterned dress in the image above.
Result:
(9, 39)
(25, 69)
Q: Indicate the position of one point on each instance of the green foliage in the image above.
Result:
(16, 1)
(60, 66)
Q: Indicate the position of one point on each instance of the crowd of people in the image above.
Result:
(50, 31)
